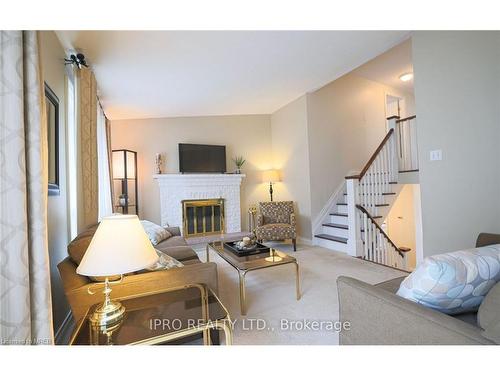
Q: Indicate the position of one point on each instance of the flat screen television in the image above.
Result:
(202, 158)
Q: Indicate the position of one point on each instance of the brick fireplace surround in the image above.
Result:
(174, 188)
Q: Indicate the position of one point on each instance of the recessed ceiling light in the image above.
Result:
(406, 77)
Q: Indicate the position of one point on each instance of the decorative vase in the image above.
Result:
(158, 162)
(123, 200)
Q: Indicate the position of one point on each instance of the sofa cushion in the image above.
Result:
(391, 285)
(155, 232)
(181, 253)
(454, 282)
(489, 311)
(171, 242)
(493, 332)
(468, 317)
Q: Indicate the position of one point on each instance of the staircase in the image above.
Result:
(359, 207)
(335, 231)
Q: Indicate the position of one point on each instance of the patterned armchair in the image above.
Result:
(276, 221)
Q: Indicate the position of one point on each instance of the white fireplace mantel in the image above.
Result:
(176, 187)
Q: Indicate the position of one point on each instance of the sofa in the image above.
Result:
(378, 316)
(75, 285)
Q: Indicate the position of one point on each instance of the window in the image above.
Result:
(72, 152)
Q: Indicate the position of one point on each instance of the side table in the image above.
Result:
(160, 317)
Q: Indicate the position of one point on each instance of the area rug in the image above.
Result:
(274, 316)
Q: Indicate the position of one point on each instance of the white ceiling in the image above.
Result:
(388, 67)
(148, 74)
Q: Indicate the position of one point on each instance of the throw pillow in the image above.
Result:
(155, 232)
(164, 262)
(454, 282)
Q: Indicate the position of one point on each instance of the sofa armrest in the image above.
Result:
(200, 273)
(485, 239)
(377, 316)
(174, 231)
(70, 279)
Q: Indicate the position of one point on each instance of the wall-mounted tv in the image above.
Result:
(202, 158)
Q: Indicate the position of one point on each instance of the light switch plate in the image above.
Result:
(436, 155)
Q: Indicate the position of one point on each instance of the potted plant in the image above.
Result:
(238, 161)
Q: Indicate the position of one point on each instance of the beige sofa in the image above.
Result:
(378, 316)
(75, 286)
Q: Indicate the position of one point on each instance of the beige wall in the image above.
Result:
(401, 222)
(291, 157)
(53, 72)
(346, 123)
(246, 135)
(457, 86)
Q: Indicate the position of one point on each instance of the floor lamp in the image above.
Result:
(271, 176)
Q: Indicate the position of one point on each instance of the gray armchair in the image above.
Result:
(276, 222)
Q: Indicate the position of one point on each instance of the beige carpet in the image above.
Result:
(271, 295)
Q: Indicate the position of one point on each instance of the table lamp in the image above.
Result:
(119, 246)
(271, 176)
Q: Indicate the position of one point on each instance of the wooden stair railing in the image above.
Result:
(374, 181)
(406, 134)
(373, 157)
(377, 246)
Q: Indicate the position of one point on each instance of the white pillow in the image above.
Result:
(164, 262)
(454, 282)
(155, 232)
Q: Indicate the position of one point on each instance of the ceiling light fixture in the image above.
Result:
(406, 77)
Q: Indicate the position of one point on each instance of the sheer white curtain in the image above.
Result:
(104, 184)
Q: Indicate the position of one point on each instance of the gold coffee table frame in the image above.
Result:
(250, 263)
(224, 324)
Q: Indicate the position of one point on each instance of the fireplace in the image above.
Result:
(176, 188)
(202, 217)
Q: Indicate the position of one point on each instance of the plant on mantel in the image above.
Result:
(239, 161)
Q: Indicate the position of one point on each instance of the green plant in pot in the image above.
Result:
(239, 161)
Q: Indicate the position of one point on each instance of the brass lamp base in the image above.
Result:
(108, 313)
(273, 257)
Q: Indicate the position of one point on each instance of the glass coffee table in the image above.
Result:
(161, 317)
(245, 264)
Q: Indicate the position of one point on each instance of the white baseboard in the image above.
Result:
(304, 241)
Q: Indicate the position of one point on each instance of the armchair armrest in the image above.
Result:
(377, 316)
(293, 220)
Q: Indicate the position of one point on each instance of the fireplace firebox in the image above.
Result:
(201, 217)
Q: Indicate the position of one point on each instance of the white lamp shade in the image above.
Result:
(120, 245)
(271, 175)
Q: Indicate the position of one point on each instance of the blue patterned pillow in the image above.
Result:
(454, 282)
